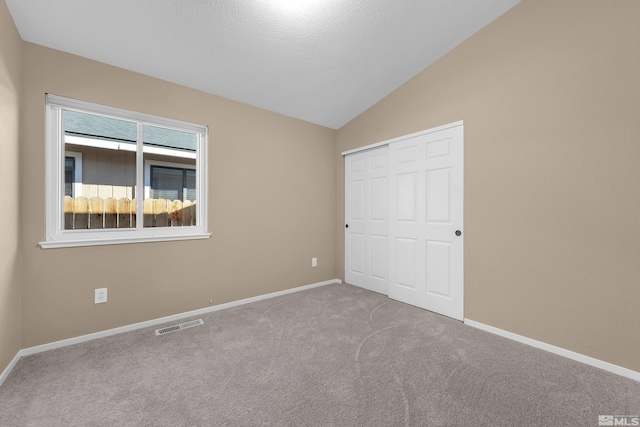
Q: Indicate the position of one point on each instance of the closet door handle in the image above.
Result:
(458, 233)
(346, 226)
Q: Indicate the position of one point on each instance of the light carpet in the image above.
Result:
(335, 355)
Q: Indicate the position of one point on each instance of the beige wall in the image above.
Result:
(550, 98)
(271, 208)
(10, 94)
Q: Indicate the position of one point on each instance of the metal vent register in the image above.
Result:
(179, 327)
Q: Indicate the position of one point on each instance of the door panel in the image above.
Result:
(438, 262)
(438, 195)
(357, 253)
(379, 256)
(378, 199)
(356, 165)
(426, 182)
(357, 200)
(405, 261)
(406, 191)
(407, 154)
(367, 217)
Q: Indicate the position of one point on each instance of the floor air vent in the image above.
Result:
(179, 327)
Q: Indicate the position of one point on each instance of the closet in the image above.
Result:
(404, 218)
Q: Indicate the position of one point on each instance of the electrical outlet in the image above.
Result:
(314, 262)
(101, 296)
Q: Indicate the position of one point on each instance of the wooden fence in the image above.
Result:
(83, 213)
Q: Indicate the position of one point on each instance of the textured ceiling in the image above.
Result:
(324, 61)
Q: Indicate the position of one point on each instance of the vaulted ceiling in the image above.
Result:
(324, 61)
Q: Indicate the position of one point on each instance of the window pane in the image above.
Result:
(166, 183)
(108, 148)
(69, 175)
(169, 138)
(170, 159)
(190, 184)
(89, 125)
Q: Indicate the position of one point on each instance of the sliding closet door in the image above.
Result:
(425, 225)
(366, 219)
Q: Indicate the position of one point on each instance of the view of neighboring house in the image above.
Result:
(100, 161)
(108, 146)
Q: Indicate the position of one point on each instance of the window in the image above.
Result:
(117, 176)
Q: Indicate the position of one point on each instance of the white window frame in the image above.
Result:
(57, 236)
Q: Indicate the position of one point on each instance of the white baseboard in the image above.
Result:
(619, 370)
(153, 322)
(9, 368)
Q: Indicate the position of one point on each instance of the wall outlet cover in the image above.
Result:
(100, 296)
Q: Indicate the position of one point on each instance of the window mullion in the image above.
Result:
(140, 177)
(184, 185)
(59, 160)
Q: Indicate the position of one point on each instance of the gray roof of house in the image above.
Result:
(92, 126)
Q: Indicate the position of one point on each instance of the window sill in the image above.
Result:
(119, 240)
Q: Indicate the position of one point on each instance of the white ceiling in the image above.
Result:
(324, 61)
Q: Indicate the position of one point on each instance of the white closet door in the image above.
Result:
(366, 219)
(425, 224)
